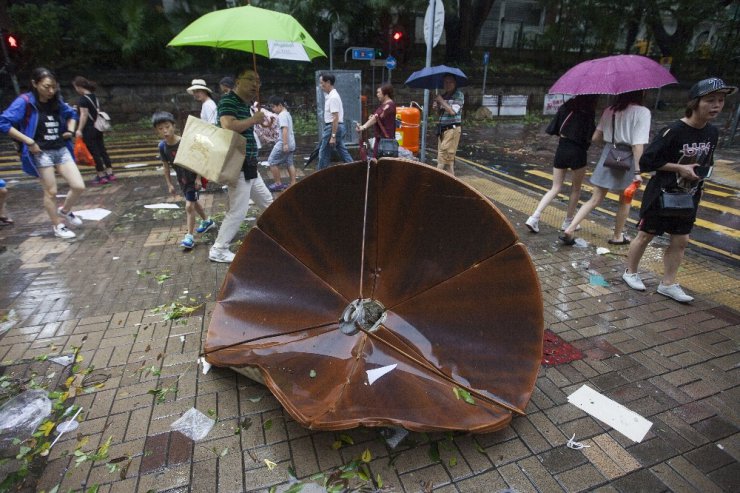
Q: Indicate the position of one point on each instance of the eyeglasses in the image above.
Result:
(250, 79)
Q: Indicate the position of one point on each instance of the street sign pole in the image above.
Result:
(430, 43)
(485, 71)
(390, 64)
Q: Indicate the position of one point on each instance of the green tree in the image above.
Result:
(133, 34)
(40, 29)
(684, 16)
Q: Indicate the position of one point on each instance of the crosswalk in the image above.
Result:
(717, 227)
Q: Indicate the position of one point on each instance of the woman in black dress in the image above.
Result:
(574, 124)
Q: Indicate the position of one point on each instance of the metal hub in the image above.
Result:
(365, 314)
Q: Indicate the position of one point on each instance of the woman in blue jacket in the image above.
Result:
(44, 124)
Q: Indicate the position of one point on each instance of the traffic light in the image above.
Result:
(397, 35)
(379, 54)
(11, 43)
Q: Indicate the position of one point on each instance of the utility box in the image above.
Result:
(349, 87)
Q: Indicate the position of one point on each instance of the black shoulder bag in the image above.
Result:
(619, 156)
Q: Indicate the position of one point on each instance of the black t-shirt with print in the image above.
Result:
(185, 177)
(48, 128)
(676, 143)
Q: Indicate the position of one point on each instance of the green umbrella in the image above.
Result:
(251, 29)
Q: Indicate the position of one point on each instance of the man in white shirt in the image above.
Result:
(200, 91)
(333, 131)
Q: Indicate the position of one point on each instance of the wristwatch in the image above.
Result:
(333, 136)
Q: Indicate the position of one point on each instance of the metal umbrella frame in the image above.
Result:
(402, 298)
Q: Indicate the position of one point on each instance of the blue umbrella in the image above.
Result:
(431, 77)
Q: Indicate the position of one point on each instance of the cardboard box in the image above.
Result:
(214, 153)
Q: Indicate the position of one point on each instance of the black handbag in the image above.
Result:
(677, 204)
(619, 156)
(387, 147)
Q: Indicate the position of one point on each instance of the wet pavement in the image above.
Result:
(106, 297)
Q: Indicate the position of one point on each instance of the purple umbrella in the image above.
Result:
(613, 75)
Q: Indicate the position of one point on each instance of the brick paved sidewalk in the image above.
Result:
(677, 365)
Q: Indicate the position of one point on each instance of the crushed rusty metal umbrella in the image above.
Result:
(384, 294)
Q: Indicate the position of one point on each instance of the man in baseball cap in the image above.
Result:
(202, 93)
(707, 86)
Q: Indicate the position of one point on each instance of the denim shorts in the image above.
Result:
(280, 158)
(53, 157)
(189, 192)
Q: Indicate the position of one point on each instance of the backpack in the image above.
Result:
(102, 122)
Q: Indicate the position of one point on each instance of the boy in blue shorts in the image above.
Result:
(282, 153)
(190, 183)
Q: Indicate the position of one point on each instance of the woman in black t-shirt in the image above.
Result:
(574, 124)
(676, 156)
(88, 106)
(44, 124)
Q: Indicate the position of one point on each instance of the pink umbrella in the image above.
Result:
(613, 75)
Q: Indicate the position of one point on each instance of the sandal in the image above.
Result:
(4, 220)
(567, 240)
(624, 241)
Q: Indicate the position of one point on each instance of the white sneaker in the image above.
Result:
(674, 291)
(633, 280)
(533, 224)
(69, 216)
(223, 255)
(61, 231)
(566, 223)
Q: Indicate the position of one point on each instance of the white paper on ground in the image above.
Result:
(167, 205)
(376, 373)
(136, 165)
(92, 214)
(602, 251)
(625, 421)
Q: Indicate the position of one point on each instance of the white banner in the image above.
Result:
(287, 50)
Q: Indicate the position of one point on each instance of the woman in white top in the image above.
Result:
(632, 127)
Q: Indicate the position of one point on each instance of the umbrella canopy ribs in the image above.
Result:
(401, 298)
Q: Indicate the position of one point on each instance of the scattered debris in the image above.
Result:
(376, 373)
(92, 214)
(193, 424)
(165, 205)
(575, 445)
(625, 421)
(206, 365)
(8, 320)
(393, 436)
(63, 360)
(463, 394)
(176, 310)
(597, 280)
(21, 415)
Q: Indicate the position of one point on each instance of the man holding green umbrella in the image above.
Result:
(234, 114)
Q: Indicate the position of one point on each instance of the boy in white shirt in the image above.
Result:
(282, 153)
